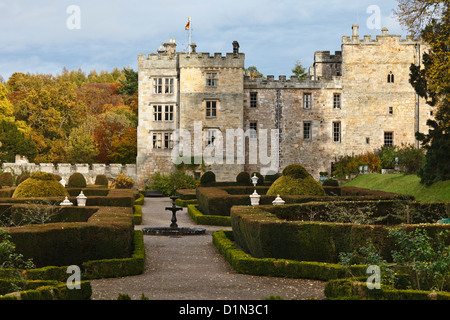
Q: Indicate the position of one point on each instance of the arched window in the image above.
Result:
(390, 78)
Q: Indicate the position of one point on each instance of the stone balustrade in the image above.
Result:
(66, 169)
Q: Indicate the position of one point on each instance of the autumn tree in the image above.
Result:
(431, 80)
(95, 96)
(124, 147)
(50, 108)
(81, 147)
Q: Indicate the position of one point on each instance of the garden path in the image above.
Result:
(191, 268)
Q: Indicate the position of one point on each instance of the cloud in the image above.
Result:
(273, 34)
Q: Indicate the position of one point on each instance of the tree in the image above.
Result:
(253, 72)
(124, 147)
(81, 147)
(49, 106)
(13, 141)
(414, 15)
(6, 108)
(130, 84)
(299, 71)
(431, 81)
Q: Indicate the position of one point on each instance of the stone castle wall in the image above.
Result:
(369, 105)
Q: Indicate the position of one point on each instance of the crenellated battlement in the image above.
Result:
(326, 56)
(379, 39)
(291, 83)
(206, 60)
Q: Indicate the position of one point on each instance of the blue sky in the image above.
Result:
(273, 34)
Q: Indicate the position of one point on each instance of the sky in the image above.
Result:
(44, 36)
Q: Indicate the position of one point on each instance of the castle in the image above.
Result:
(353, 101)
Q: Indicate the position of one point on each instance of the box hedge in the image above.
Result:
(245, 263)
(264, 235)
(219, 200)
(107, 234)
(345, 289)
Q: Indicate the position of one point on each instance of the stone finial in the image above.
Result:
(355, 28)
(384, 31)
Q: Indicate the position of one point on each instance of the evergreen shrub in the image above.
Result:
(101, 180)
(77, 180)
(208, 177)
(6, 179)
(40, 185)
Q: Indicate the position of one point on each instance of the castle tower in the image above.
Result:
(178, 91)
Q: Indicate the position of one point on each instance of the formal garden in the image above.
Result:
(298, 228)
(47, 228)
(325, 232)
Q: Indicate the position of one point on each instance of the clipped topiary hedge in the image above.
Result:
(295, 180)
(245, 263)
(101, 180)
(243, 178)
(219, 200)
(6, 179)
(202, 219)
(107, 234)
(264, 235)
(346, 289)
(207, 177)
(22, 178)
(40, 184)
(77, 180)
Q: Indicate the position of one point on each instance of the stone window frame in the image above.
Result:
(388, 138)
(211, 111)
(337, 103)
(212, 79)
(390, 77)
(169, 85)
(253, 127)
(157, 112)
(336, 128)
(162, 140)
(163, 85)
(210, 135)
(307, 103)
(253, 99)
(308, 124)
(158, 85)
(169, 111)
(163, 113)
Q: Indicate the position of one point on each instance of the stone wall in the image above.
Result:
(369, 105)
(64, 170)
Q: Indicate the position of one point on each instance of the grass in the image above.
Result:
(404, 184)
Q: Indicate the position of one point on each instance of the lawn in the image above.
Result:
(404, 184)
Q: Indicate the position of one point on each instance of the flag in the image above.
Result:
(188, 24)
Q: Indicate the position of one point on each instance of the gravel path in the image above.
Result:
(190, 268)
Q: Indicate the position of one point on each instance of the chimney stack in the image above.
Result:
(355, 28)
(235, 47)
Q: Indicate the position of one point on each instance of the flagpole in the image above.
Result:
(190, 28)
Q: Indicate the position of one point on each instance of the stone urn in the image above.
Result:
(278, 201)
(66, 202)
(254, 198)
(81, 200)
